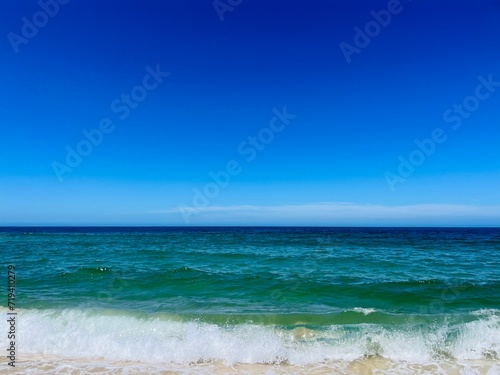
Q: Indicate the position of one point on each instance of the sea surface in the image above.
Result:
(260, 300)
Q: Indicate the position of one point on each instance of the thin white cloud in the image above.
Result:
(341, 213)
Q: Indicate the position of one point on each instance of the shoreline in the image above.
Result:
(48, 364)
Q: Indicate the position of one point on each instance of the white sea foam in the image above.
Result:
(363, 310)
(118, 336)
(486, 312)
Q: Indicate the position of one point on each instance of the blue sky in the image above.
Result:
(260, 95)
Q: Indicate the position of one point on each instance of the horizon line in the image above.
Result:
(253, 226)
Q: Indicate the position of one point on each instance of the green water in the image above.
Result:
(341, 284)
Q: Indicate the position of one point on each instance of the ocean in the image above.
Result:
(252, 300)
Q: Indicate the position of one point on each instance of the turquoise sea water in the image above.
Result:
(276, 296)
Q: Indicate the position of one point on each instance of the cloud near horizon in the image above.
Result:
(339, 214)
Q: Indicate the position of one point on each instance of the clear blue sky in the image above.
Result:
(331, 159)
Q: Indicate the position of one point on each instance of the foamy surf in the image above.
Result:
(92, 339)
(364, 311)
